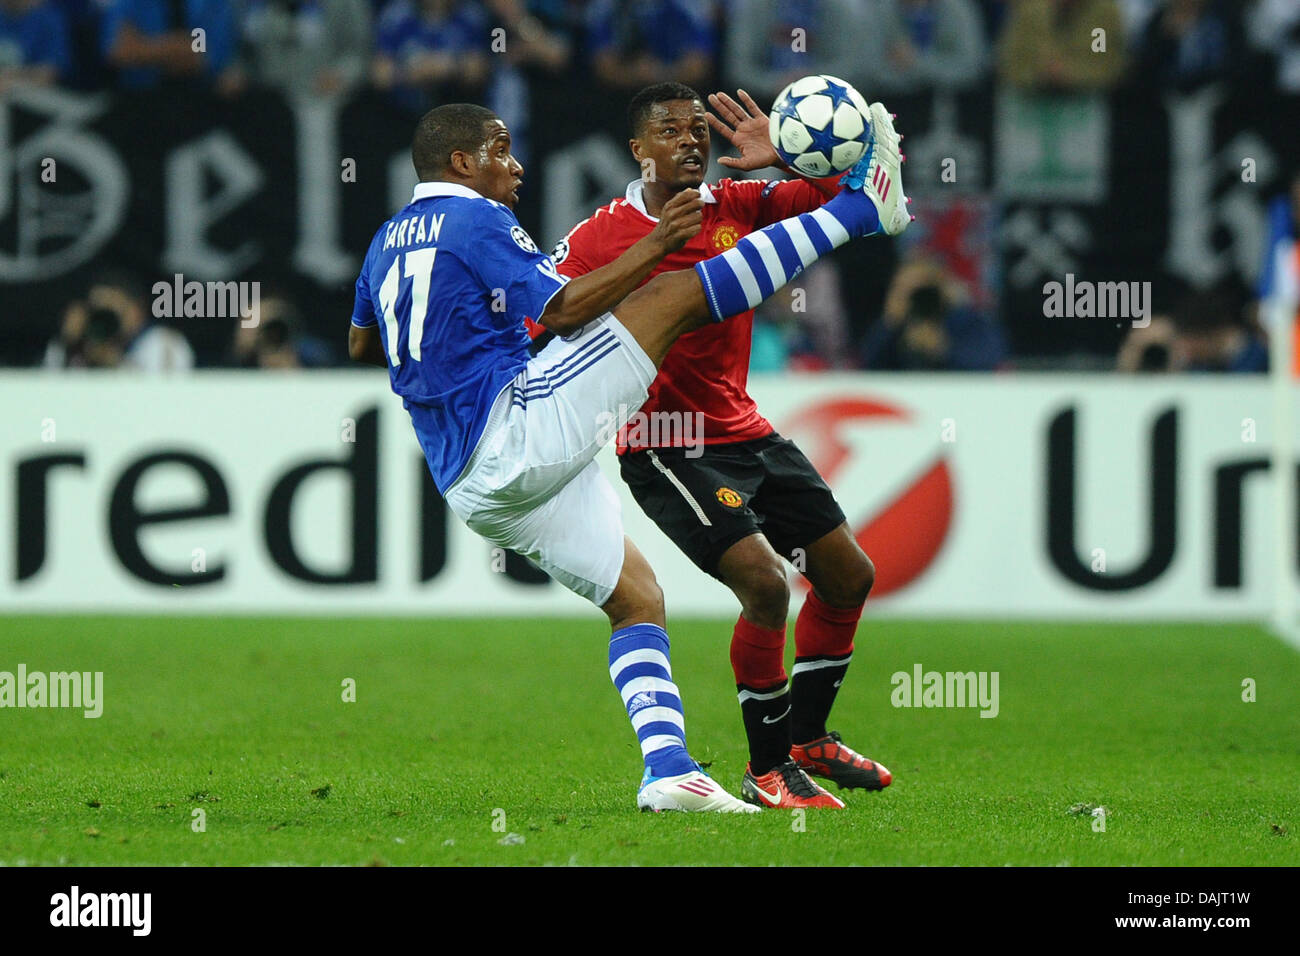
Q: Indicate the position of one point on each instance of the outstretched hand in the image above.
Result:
(744, 127)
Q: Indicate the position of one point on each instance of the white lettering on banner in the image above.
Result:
(47, 245)
(193, 207)
(292, 520)
(1196, 210)
(1054, 149)
(319, 252)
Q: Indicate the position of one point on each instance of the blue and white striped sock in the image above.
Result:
(762, 262)
(638, 664)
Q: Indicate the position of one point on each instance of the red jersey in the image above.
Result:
(706, 370)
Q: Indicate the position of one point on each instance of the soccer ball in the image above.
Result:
(820, 125)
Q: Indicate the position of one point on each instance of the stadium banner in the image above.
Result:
(288, 193)
(1038, 496)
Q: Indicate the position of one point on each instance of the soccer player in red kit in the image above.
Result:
(748, 497)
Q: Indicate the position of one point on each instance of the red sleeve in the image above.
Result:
(574, 255)
(579, 252)
(771, 201)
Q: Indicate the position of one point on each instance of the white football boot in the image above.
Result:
(879, 174)
(693, 792)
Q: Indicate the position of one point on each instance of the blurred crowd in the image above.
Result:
(112, 325)
(421, 52)
(415, 47)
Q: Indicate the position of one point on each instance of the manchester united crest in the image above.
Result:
(724, 237)
(728, 497)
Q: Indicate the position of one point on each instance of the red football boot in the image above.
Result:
(828, 757)
(786, 787)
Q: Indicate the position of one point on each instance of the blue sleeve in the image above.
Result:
(510, 267)
(363, 307)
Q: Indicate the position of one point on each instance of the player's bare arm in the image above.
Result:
(592, 295)
(365, 345)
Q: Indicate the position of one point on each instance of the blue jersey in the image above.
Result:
(449, 281)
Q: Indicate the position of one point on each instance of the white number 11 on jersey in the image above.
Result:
(419, 267)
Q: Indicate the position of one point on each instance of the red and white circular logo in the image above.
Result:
(903, 535)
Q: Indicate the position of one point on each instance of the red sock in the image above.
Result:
(757, 655)
(824, 631)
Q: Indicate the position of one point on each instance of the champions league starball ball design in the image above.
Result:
(820, 125)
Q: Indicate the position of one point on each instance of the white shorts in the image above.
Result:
(531, 484)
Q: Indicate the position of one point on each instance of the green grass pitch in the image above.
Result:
(465, 731)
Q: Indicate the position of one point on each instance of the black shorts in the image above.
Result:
(730, 491)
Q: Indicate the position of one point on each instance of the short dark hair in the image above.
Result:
(638, 111)
(444, 130)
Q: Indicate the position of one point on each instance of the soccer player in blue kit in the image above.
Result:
(510, 439)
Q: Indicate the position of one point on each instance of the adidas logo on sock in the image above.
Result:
(643, 699)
